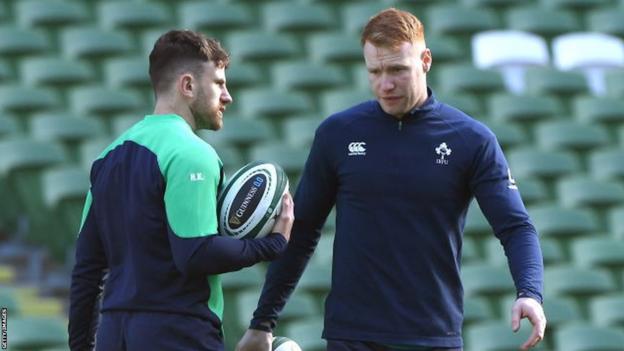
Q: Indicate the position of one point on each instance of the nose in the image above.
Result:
(387, 83)
(226, 98)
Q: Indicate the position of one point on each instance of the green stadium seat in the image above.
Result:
(497, 336)
(580, 191)
(542, 80)
(533, 190)
(234, 282)
(132, 15)
(242, 75)
(463, 78)
(296, 17)
(544, 164)
(93, 100)
(470, 252)
(558, 222)
(615, 83)
(482, 279)
(307, 333)
(299, 131)
(32, 13)
(90, 150)
(213, 16)
(607, 163)
(457, 20)
(601, 251)
(467, 103)
(259, 46)
(8, 126)
(66, 129)
(324, 249)
(94, 43)
(606, 20)
(602, 110)
(561, 311)
(494, 4)
(607, 310)
(123, 122)
(334, 101)
(616, 222)
(268, 102)
(307, 76)
(232, 159)
(24, 99)
(551, 251)
(128, 72)
(16, 42)
(355, 15)
(570, 135)
(476, 310)
(9, 300)
(64, 192)
(476, 223)
(299, 306)
(586, 337)
(335, 47)
(55, 71)
(543, 21)
(35, 333)
(241, 132)
(508, 135)
(506, 108)
(445, 49)
(576, 5)
(290, 158)
(577, 282)
(6, 72)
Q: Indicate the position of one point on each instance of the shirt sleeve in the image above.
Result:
(497, 194)
(314, 198)
(86, 282)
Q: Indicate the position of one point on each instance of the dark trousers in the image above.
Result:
(140, 331)
(348, 345)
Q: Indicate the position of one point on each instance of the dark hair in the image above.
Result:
(182, 50)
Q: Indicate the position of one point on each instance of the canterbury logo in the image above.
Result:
(357, 148)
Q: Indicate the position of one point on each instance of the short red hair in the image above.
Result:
(391, 27)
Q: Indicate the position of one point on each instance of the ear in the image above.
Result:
(186, 85)
(426, 60)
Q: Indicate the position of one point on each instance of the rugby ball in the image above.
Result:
(251, 200)
(281, 343)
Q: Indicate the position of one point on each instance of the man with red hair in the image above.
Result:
(401, 170)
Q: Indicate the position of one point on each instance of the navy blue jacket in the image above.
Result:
(401, 190)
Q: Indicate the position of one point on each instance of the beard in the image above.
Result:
(204, 116)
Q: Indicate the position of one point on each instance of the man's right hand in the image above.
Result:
(255, 340)
(285, 219)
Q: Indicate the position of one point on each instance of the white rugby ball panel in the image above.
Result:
(281, 343)
(248, 204)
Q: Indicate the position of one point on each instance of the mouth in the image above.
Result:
(391, 99)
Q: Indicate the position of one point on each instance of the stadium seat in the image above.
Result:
(564, 84)
(35, 333)
(123, 122)
(608, 310)
(606, 20)
(476, 223)
(467, 103)
(542, 21)
(482, 279)
(570, 135)
(316, 281)
(510, 52)
(457, 20)
(505, 108)
(10, 301)
(94, 43)
(234, 282)
(607, 163)
(24, 99)
(128, 72)
(260, 46)
(600, 251)
(307, 333)
(243, 75)
(476, 310)
(335, 47)
(533, 190)
(470, 252)
(307, 76)
(232, 159)
(615, 83)
(600, 52)
(90, 150)
(603, 110)
(132, 15)
(299, 131)
(585, 337)
(532, 162)
(55, 71)
(508, 135)
(561, 311)
(8, 126)
(18, 42)
(299, 306)
(445, 49)
(64, 192)
(355, 15)
(296, 17)
(496, 335)
(578, 283)
(66, 129)
(324, 249)
(95, 99)
(267, 102)
(6, 72)
(32, 13)
(560, 223)
(580, 191)
(462, 78)
(576, 5)
(241, 132)
(290, 158)
(213, 16)
(551, 251)
(616, 222)
(334, 101)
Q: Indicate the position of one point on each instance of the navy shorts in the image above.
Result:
(139, 331)
(349, 345)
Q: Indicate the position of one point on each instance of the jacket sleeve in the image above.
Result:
(500, 201)
(86, 283)
(314, 198)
